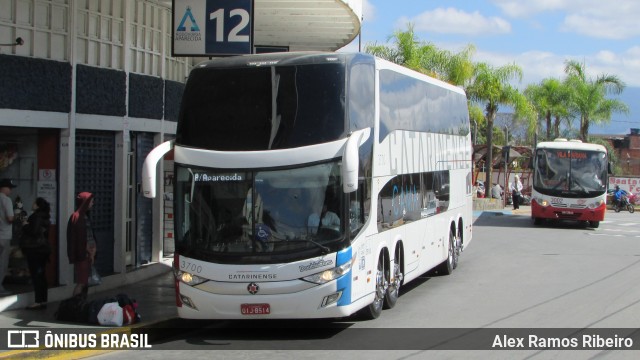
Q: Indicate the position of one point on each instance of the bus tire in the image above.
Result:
(458, 247)
(393, 290)
(537, 221)
(452, 256)
(373, 310)
(594, 224)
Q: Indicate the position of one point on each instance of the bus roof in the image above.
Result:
(565, 144)
(284, 58)
(317, 57)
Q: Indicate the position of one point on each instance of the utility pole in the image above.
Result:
(506, 135)
(475, 132)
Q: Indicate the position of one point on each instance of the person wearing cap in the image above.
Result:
(516, 192)
(6, 229)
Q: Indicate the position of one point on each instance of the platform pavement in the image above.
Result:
(155, 296)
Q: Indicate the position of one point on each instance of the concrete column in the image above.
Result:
(120, 201)
(66, 177)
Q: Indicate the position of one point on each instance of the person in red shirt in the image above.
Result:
(81, 242)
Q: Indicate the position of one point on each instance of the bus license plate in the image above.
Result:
(255, 309)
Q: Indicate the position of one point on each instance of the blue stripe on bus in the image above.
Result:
(344, 283)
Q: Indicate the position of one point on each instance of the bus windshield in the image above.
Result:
(262, 107)
(570, 173)
(259, 217)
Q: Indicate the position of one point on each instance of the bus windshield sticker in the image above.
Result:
(203, 177)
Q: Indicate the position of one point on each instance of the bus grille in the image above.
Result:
(572, 206)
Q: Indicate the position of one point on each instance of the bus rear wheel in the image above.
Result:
(452, 257)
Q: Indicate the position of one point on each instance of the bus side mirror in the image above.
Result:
(351, 160)
(609, 168)
(149, 168)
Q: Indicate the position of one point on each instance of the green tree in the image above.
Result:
(476, 116)
(589, 96)
(454, 68)
(551, 99)
(407, 50)
(491, 86)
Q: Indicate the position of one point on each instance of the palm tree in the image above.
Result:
(407, 50)
(491, 86)
(550, 98)
(454, 68)
(589, 97)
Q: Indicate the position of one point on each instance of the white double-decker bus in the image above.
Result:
(569, 182)
(313, 185)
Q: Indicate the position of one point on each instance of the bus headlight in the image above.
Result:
(328, 275)
(596, 204)
(188, 278)
(542, 202)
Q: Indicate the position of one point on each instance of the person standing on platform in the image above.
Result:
(516, 192)
(34, 244)
(81, 243)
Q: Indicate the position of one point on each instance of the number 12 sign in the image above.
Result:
(212, 27)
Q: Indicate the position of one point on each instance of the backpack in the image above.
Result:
(128, 305)
(74, 309)
(130, 308)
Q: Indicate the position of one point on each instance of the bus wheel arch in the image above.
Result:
(396, 276)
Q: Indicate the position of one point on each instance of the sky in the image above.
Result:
(537, 35)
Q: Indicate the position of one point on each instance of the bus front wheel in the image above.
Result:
(393, 291)
(373, 310)
(594, 224)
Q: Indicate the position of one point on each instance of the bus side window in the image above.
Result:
(356, 213)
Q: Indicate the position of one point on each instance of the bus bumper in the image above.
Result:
(551, 212)
(306, 304)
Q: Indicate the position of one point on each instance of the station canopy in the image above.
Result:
(301, 25)
(306, 25)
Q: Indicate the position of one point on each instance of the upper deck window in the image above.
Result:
(261, 108)
(407, 103)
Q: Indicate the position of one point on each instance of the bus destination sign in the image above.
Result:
(573, 154)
